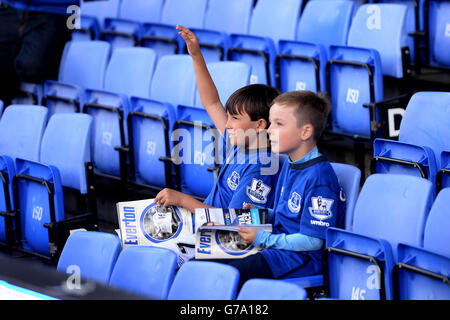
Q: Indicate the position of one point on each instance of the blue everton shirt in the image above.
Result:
(248, 176)
(308, 200)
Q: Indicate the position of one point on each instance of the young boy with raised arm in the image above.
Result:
(246, 176)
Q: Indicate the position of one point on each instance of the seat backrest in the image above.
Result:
(90, 254)
(325, 22)
(21, 130)
(275, 20)
(231, 16)
(173, 80)
(141, 10)
(146, 271)
(66, 144)
(270, 289)
(437, 237)
(188, 13)
(84, 63)
(349, 179)
(35, 203)
(439, 31)
(394, 208)
(381, 27)
(100, 9)
(130, 71)
(426, 122)
(205, 280)
(228, 76)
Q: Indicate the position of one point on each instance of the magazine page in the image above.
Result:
(221, 240)
(144, 223)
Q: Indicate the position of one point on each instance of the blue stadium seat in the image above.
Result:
(301, 63)
(228, 76)
(422, 273)
(145, 271)
(7, 173)
(443, 175)
(174, 81)
(221, 19)
(199, 151)
(390, 209)
(382, 27)
(129, 73)
(424, 124)
(40, 202)
(83, 65)
(349, 179)
(92, 17)
(270, 289)
(150, 124)
(438, 30)
(126, 30)
(270, 22)
(355, 72)
(21, 130)
(163, 37)
(91, 255)
(205, 280)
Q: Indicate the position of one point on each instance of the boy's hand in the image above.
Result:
(248, 234)
(248, 206)
(169, 197)
(191, 40)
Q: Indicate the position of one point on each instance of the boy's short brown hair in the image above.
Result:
(309, 108)
(253, 99)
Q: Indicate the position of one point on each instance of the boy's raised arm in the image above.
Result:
(208, 91)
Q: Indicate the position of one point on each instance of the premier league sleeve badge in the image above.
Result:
(321, 208)
(258, 191)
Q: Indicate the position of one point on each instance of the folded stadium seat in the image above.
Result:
(145, 271)
(29, 93)
(92, 17)
(7, 173)
(129, 73)
(199, 163)
(83, 65)
(270, 22)
(355, 72)
(422, 272)
(390, 209)
(64, 162)
(349, 178)
(126, 30)
(21, 130)
(301, 63)
(221, 19)
(205, 280)
(443, 175)
(269, 289)
(91, 255)
(423, 137)
(163, 37)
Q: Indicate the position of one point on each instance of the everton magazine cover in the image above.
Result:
(144, 223)
(221, 240)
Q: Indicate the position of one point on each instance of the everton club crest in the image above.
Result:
(294, 202)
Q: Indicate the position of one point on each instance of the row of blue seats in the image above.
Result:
(57, 150)
(396, 249)
(150, 272)
(136, 18)
(39, 157)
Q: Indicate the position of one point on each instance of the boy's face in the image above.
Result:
(241, 129)
(284, 134)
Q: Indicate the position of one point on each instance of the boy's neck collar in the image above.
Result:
(311, 158)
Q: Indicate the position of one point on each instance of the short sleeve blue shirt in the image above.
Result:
(248, 176)
(308, 200)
